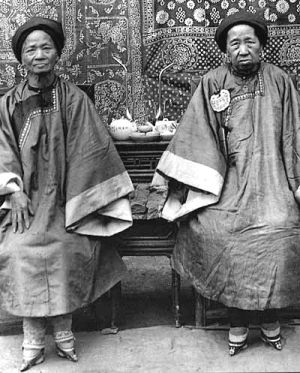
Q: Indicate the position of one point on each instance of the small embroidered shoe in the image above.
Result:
(38, 359)
(69, 353)
(275, 342)
(64, 342)
(236, 347)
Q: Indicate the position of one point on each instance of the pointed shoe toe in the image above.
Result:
(275, 342)
(69, 354)
(236, 347)
(38, 359)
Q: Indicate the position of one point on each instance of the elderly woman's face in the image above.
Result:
(243, 47)
(39, 54)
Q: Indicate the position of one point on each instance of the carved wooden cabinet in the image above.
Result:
(140, 159)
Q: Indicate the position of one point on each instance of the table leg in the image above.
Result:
(116, 295)
(176, 296)
(200, 310)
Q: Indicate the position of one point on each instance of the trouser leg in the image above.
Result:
(269, 322)
(62, 327)
(64, 337)
(239, 324)
(34, 329)
(270, 328)
(238, 332)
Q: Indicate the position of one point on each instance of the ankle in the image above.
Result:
(65, 340)
(270, 333)
(238, 334)
(31, 353)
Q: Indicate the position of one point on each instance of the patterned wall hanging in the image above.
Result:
(184, 30)
(125, 47)
(96, 30)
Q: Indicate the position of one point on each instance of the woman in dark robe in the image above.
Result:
(233, 175)
(64, 186)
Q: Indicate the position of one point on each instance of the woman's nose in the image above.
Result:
(39, 53)
(244, 49)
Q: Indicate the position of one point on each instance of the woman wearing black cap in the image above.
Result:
(233, 172)
(64, 186)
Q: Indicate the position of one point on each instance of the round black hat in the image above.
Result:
(50, 26)
(241, 17)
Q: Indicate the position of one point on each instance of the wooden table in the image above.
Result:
(150, 235)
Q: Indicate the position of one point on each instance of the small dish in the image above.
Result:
(145, 137)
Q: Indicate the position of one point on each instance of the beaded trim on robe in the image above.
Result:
(259, 92)
(27, 125)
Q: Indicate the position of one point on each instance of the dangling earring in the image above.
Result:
(225, 58)
(23, 71)
(262, 54)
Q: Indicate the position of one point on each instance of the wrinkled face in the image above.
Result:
(243, 47)
(39, 53)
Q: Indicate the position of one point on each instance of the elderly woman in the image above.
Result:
(64, 187)
(233, 174)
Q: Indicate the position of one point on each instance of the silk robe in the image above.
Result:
(54, 147)
(236, 172)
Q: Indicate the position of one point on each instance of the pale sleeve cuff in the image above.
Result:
(195, 175)
(297, 194)
(174, 209)
(6, 205)
(119, 209)
(10, 183)
(109, 220)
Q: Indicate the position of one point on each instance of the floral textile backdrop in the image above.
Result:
(125, 48)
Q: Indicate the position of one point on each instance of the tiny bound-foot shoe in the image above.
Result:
(66, 353)
(275, 342)
(236, 347)
(37, 359)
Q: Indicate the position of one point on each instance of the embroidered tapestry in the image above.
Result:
(139, 54)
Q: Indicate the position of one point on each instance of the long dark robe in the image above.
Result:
(239, 230)
(54, 147)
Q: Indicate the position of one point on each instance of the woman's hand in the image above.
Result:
(21, 208)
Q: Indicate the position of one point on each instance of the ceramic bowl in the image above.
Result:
(165, 125)
(121, 129)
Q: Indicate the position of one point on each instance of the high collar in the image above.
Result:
(245, 75)
(44, 89)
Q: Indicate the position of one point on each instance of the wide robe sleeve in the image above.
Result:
(291, 135)
(10, 164)
(97, 183)
(194, 156)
